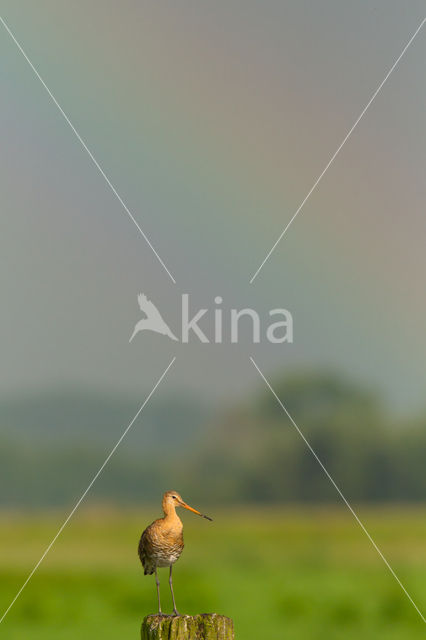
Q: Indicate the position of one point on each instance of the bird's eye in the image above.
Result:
(174, 497)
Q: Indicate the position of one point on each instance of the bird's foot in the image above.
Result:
(176, 612)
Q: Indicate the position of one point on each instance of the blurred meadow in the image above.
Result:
(279, 572)
(283, 555)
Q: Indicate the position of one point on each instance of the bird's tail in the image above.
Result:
(133, 334)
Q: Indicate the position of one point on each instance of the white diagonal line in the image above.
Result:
(92, 482)
(338, 490)
(90, 154)
(349, 133)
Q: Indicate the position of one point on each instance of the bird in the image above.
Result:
(161, 544)
(153, 320)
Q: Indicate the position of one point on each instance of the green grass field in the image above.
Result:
(285, 573)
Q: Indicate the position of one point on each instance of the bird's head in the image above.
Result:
(172, 499)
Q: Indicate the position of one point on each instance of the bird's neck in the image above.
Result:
(170, 515)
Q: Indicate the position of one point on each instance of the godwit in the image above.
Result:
(162, 542)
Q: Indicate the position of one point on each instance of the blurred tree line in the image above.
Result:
(256, 453)
(250, 453)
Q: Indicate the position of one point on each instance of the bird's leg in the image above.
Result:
(157, 582)
(175, 611)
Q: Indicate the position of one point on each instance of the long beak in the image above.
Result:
(186, 506)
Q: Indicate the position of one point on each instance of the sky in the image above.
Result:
(212, 121)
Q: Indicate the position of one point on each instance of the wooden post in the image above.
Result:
(205, 626)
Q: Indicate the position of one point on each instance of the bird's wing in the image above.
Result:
(145, 551)
(142, 548)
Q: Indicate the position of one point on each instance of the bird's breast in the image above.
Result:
(167, 547)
